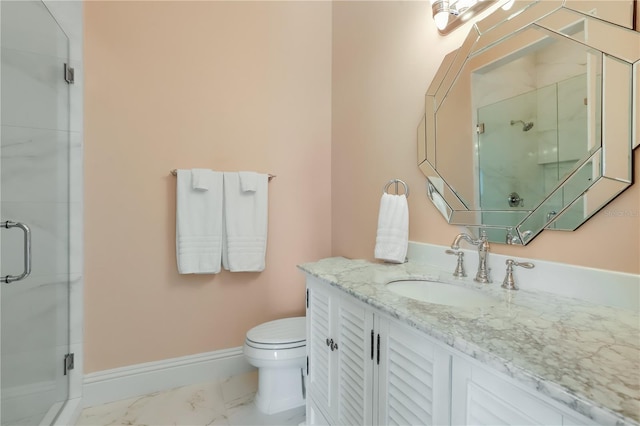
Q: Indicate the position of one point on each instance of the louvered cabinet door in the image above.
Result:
(413, 381)
(315, 417)
(322, 361)
(355, 378)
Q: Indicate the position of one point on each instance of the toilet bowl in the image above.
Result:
(278, 349)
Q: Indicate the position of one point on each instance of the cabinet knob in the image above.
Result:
(329, 342)
(334, 346)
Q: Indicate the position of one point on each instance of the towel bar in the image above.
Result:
(174, 172)
(396, 182)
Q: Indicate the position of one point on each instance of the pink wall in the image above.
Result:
(326, 96)
(223, 85)
(384, 57)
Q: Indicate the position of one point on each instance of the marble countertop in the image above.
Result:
(582, 355)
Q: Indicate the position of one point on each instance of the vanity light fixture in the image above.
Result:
(449, 14)
(441, 11)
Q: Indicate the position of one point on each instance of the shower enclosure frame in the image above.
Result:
(68, 15)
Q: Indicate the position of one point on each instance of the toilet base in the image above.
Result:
(279, 389)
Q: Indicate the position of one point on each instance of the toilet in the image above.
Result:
(278, 349)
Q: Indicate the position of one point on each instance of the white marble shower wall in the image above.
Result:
(505, 151)
(41, 177)
(547, 87)
(564, 132)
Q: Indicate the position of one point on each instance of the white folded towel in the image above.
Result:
(200, 179)
(392, 238)
(199, 223)
(248, 181)
(245, 230)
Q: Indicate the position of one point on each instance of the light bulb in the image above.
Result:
(440, 9)
(441, 19)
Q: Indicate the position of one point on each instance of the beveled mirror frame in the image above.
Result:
(620, 131)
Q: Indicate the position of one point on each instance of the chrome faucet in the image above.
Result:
(509, 282)
(513, 238)
(510, 238)
(459, 272)
(483, 250)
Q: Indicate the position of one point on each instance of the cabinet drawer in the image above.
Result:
(492, 400)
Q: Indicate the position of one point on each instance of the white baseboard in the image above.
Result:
(126, 382)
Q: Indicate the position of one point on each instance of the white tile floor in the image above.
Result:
(226, 402)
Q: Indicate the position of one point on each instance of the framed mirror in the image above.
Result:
(531, 123)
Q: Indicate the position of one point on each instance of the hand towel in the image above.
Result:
(199, 223)
(248, 181)
(392, 238)
(200, 179)
(245, 228)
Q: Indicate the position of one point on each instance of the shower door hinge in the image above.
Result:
(68, 363)
(480, 128)
(69, 74)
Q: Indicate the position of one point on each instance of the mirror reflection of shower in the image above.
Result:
(525, 126)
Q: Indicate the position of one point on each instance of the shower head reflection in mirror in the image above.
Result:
(525, 126)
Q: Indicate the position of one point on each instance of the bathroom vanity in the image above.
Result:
(529, 126)
(513, 357)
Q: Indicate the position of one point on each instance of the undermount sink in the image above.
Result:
(440, 293)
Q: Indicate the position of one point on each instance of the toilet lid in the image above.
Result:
(278, 332)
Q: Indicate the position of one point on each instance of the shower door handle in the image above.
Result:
(27, 251)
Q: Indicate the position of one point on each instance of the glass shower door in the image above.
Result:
(34, 190)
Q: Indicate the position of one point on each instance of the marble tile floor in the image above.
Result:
(225, 402)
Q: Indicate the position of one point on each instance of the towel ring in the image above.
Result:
(396, 182)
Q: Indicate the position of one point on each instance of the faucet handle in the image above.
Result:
(509, 282)
(459, 272)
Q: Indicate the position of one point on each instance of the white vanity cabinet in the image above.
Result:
(484, 397)
(365, 368)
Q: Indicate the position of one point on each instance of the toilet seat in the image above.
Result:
(274, 347)
(286, 333)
